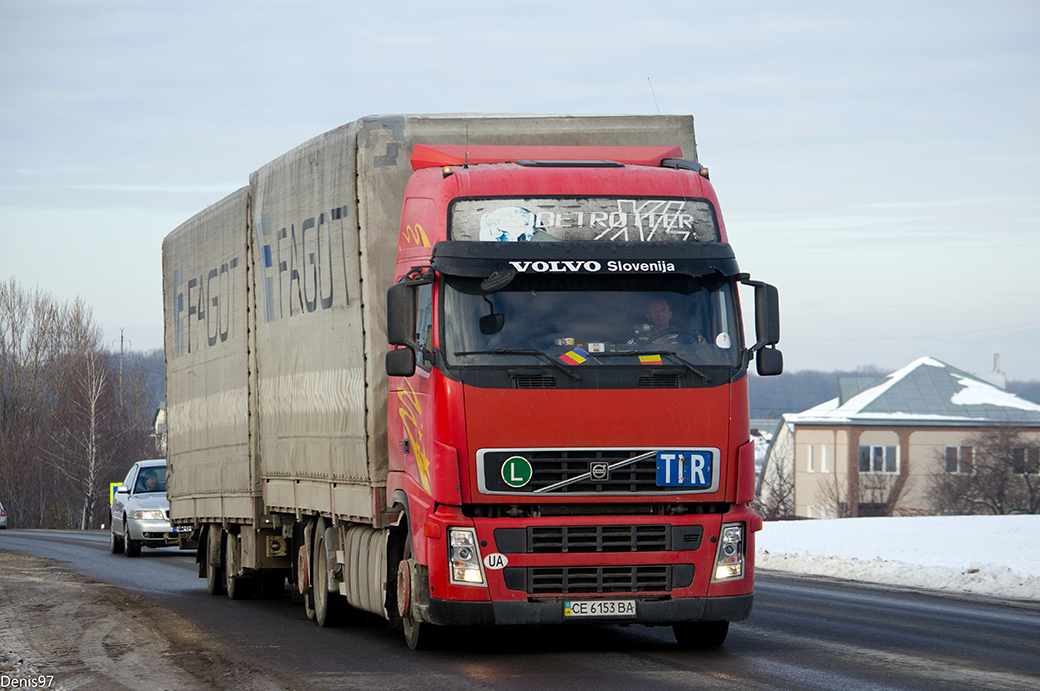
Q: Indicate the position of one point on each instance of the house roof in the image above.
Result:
(925, 392)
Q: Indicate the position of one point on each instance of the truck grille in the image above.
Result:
(598, 538)
(613, 538)
(554, 466)
(575, 580)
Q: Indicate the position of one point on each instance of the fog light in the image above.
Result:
(464, 557)
(729, 562)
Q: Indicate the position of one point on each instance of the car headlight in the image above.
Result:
(464, 558)
(149, 515)
(729, 561)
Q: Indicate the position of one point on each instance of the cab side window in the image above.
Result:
(424, 325)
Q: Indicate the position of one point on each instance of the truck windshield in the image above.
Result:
(592, 320)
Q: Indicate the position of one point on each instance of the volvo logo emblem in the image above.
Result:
(599, 470)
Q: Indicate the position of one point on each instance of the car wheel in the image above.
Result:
(115, 542)
(131, 547)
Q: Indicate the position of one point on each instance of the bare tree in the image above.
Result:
(63, 433)
(834, 498)
(1000, 477)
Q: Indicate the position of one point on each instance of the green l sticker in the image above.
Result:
(517, 471)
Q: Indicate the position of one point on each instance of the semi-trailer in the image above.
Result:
(470, 370)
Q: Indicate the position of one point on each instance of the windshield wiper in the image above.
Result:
(667, 353)
(523, 351)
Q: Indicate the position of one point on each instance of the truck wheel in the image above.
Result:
(329, 608)
(131, 547)
(214, 579)
(700, 634)
(303, 581)
(237, 587)
(416, 633)
(115, 542)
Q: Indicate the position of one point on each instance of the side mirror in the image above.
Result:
(122, 489)
(770, 362)
(400, 314)
(767, 315)
(400, 362)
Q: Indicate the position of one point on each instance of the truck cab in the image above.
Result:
(568, 427)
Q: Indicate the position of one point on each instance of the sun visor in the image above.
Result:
(482, 259)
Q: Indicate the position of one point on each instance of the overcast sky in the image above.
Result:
(878, 162)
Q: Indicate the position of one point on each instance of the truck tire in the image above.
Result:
(417, 634)
(693, 635)
(214, 573)
(329, 608)
(237, 587)
(131, 547)
(115, 541)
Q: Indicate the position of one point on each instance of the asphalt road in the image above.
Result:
(803, 634)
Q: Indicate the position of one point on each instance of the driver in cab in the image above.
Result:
(659, 315)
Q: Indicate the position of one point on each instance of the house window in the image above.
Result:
(959, 460)
(825, 466)
(878, 459)
(1025, 460)
(810, 463)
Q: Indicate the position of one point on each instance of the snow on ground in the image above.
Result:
(985, 555)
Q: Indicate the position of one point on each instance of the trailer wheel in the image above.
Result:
(131, 547)
(214, 573)
(238, 587)
(416, 633)
(700, 634)
(115, 542)
(329, 608)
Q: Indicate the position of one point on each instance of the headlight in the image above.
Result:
(729, 562)
(149, 515)
(464, 558)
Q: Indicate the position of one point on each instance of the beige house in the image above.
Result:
(873, 450)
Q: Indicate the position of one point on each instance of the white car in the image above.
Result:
(3, 516)
(140, 510)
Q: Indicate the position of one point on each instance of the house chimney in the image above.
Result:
(996, 377)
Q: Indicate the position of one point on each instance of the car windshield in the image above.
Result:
(151, 479)
(592, 320)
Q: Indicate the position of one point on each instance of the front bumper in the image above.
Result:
(152, 533)
(550, 611)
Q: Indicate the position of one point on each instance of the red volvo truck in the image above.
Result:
(504, 384)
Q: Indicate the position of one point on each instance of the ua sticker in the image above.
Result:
(517, 471)
(495, 561)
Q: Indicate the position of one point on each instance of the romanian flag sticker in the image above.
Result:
(575, 356)
(649, 359)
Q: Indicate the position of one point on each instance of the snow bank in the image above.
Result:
(986, 555)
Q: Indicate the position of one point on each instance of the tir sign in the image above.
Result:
(517, 471)
(684, 468)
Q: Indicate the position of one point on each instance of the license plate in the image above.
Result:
(599, 608)
(184, 529)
